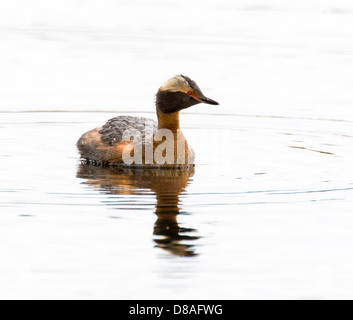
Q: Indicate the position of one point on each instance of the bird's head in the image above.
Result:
(178, 93)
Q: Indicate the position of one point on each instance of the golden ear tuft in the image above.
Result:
(176, 84)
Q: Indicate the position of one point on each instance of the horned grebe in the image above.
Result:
(111, 145)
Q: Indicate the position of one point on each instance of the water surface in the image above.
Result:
(266, 212)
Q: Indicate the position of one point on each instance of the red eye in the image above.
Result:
(190, 93)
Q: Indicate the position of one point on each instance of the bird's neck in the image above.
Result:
(168, 120)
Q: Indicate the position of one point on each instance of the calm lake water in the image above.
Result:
(266, 212)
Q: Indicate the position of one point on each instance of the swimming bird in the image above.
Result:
(138, 141)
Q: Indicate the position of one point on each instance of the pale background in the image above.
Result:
(272, 195)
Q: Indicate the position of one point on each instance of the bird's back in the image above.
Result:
(113, 131)
(105, 145)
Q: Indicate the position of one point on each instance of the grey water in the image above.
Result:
(267, 211)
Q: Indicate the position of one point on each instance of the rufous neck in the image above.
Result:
(168, 120)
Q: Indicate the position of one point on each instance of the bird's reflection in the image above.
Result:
(165, 183)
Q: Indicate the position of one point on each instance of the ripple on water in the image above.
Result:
(256, 182)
